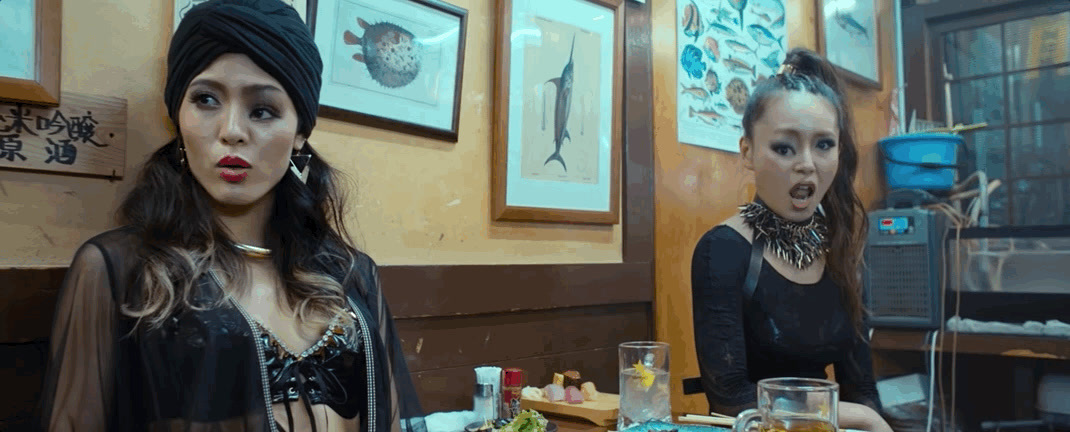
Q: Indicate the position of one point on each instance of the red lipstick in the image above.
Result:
(233, 162)
(233, 169)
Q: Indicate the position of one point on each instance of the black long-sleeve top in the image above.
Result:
(788, 329)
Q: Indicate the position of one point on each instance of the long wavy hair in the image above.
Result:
(183, 240)
(844, 211)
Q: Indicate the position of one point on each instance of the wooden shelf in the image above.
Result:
(1040, 347)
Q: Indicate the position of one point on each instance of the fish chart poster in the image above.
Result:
(724, 48)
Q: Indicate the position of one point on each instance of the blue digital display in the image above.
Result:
(895, 225)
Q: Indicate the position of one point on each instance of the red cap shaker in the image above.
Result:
(512, 384)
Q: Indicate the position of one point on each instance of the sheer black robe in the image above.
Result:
(202, 370)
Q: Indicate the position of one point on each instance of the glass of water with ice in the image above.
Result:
(644, 383)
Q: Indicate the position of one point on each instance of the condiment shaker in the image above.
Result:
(485, 403)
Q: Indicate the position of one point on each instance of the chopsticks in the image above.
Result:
(714, 419)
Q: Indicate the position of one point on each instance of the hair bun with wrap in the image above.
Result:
(802, 61)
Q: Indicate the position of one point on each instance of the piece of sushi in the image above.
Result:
(573, 395)
(533, 393)
(572, 379)
(554, 393)
(588, 390)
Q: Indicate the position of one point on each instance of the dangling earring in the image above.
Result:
(299, 165)
(181, 155)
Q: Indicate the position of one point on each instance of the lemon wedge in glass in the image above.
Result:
(644, 374)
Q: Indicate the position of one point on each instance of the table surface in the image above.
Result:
(565, 424)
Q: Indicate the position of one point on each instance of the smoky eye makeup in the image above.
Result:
(265, 108)
(203, 97)
(782, 148)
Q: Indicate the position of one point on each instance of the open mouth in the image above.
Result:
(801, 195)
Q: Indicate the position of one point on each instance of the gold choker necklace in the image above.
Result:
(253, 251)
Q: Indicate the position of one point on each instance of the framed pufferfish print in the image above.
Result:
(392, 64)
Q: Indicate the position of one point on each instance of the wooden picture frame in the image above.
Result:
(856, 50)
(357, 85)
(304, 8)
(533, 55)
(43, 87)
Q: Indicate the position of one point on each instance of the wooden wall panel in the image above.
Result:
(421, 291)
(638, 136)
(444, 342)
(29, 298)
(21, 369)
(443, 351)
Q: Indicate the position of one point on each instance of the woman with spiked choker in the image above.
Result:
(801, 308)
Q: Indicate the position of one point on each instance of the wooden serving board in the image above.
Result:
(602, 411)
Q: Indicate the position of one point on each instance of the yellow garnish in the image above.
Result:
(645, 374)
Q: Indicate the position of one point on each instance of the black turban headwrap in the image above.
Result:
(270, 32)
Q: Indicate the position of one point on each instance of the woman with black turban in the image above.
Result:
(231, 299)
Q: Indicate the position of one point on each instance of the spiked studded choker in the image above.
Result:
(799, 243)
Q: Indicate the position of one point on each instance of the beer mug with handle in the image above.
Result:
(792, 405)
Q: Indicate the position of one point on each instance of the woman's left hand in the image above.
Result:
(861, 417)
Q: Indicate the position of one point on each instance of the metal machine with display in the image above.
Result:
(904, 265)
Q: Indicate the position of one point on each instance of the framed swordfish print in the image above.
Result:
(849, 37)
(557, 137)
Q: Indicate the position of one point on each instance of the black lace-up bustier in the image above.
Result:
(319, 375)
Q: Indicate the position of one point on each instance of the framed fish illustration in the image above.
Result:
(29, 59)
(183, 6)
(392, 64)
(725, 48)
(557, 117)
(848, 35)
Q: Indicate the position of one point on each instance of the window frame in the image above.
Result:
(924, 28)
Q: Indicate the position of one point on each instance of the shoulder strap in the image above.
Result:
(755, 268)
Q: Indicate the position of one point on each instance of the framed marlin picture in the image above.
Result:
(557, 126)
(392, 64)
(848, 35)
(30, 51)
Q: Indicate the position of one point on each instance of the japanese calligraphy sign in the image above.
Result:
(85, 135)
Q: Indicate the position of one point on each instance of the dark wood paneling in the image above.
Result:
(27, 302)
(638, 135)
(423, 291)
(451, 389)
(21, 372)
(413, 291)
(437, 343)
